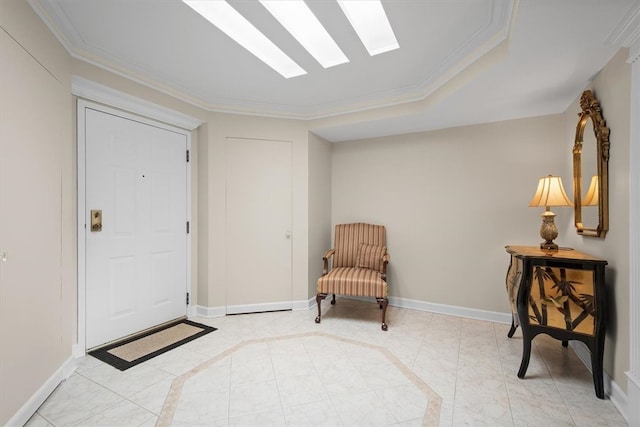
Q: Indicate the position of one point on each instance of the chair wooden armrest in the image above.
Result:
(325, 259)
(385, 260)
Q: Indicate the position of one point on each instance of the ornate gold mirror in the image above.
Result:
(590, 169)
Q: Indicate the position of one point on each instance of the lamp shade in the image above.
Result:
(550, 192)
(592, 198)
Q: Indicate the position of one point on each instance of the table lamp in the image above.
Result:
(550, 192)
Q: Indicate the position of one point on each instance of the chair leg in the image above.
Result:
(319, 298)
(383, 304)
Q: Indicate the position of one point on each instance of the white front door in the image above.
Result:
(258, 225)
(136, 263)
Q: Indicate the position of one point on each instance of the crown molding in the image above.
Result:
(93, 91)
(627, 33)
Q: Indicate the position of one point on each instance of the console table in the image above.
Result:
(560, 293)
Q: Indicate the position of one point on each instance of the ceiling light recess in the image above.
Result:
(368, 19)
(236, 26)
(303, 25)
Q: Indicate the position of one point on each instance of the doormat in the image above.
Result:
(132, 351)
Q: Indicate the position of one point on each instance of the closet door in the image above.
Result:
(258, 225)
(30, 225)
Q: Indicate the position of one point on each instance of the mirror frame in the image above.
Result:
(591, 110)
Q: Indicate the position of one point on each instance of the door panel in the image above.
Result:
(136, 265)
(258, 225)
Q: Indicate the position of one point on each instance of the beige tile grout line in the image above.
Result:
(434, 401)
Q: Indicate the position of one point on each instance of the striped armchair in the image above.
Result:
(359, 266)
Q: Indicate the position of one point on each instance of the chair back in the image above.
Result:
(348, 238)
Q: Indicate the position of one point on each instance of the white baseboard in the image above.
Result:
(619, 399)
(257, 308)
(304, 305)
(31, 406)
(611, 389)
(252, 308)
(192, 311)
(633, 395)
(451, 310)
(78, 351)
(210, 312)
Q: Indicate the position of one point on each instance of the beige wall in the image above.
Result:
(40, 342)
(612, 87)
(319, 206)
(451, 200)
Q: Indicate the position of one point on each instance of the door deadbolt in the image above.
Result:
(96, 220)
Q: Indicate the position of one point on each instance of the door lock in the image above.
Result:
(96, 220)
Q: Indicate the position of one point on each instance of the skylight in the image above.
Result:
(367, 17)
(300, 21)
(230, 22)
(371, 24)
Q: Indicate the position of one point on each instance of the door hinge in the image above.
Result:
(187, 298)
(187, 156)
(188, 226)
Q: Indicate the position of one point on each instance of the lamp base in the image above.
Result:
(548, 246)
(548, 231)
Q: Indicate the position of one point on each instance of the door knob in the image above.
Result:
(288, 234)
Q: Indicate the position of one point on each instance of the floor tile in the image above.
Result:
(121, 414)
(283, 369)
(75, 400)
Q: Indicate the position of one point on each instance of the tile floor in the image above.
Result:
(282, 369)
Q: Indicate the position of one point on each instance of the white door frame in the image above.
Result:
(130, 107)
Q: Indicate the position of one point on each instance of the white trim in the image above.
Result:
(618, 397)
(304, 305)
(82, 105)
(633, 395)
(93, 91)
(189, 290)
(30, 407)
(78, 351)
(82, 290)
(451, 310)
(210, 312)
(634, 53)
(611, 388)
(627, 32)
(471, 313)
(192, 311)
(633, 374)
(257, 308)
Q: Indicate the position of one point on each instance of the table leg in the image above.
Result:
(526, 355)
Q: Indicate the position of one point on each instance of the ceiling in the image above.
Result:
(460, 62)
